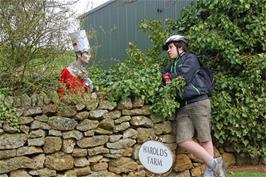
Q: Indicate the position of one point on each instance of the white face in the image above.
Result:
(172, 51)
(85, 57)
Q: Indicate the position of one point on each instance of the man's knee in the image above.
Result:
(204, 143)
(182, 144)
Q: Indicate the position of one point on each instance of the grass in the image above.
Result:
(245, 174)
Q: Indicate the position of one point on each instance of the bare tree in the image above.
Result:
(31, 31)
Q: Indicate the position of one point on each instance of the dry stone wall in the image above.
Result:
(94, 138)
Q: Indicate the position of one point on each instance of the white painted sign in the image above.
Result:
(156, 157)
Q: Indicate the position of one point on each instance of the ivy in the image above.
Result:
(239, 108)
(140, 76)
(165, 103)
(7, 112)
(229, 36)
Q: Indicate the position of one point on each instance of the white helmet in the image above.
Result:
(174, 38)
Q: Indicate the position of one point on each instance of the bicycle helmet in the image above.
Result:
(174, 38)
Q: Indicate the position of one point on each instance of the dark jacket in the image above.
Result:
(187, 66)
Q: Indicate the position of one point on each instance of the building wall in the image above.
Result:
(116, 24)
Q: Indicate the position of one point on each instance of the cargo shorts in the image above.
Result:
(193, 120)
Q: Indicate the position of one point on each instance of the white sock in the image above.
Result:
(208, 168)
(211, 163)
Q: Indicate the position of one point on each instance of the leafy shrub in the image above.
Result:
(7, 112)
(229, 36)
(139, 77)
(239, 107)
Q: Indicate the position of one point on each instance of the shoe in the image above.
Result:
(219, 170)
(208, 172)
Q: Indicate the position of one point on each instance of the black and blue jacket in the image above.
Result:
(187, 66)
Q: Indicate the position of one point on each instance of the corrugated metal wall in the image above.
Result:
(117, 23)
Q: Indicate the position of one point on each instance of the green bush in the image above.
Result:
(239, 108)
(230, 36)
(139, 77)
(7, 112)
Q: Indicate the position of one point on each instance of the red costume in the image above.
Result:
(70, 84)
(74, 79)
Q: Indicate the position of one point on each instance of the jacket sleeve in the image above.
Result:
(166, 69)
(187, 67)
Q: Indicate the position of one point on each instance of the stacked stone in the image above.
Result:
(95, 138)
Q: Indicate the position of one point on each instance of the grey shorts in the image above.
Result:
(193, 120)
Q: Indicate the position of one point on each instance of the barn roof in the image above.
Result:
(96, 9)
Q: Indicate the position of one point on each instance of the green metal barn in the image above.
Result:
(116, 23)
